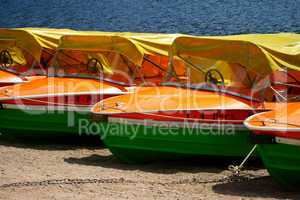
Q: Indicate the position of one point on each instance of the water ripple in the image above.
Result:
(210, 17)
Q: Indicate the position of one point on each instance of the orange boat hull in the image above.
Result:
(51, 106)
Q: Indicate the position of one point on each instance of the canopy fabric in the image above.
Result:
(233, 73)
(107, 42)
(6, 43)
(258, 53)
(154, 43)
(104, 62)
(122, 52)
(17, 55)
(132, 45)
(32, 40)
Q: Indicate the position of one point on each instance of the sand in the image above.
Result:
(84, 170)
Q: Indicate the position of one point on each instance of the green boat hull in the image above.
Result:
(283, 163)
(140, 144)
(36, 123)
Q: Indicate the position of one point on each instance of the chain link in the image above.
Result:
(64, 182)
(192, 181)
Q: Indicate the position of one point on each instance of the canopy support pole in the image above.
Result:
(155, 64)
(191, 64)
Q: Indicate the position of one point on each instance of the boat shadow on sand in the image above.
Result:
(52, 143)
(263, 187)
(171, 166)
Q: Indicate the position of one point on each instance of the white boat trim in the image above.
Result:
(281, 140)
(26, 108)
(267, 128)
(176, 124)
(63, 94)
(13, 81)
(120, 111)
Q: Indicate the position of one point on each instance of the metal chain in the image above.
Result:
(226, 179)
(64, 182)
(193, 181)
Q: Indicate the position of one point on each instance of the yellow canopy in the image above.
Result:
(146, 50)
(157, 44)
(108, 42)
(153, 43)
(31, 40)
(132, 45)
(259, 53)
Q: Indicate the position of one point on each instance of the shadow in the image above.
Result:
(53, 143)
(189, 165)
(263, 187)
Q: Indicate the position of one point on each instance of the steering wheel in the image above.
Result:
(5, 59)
(93, 66)
(215, 77)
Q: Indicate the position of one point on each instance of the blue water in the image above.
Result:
(200, 17)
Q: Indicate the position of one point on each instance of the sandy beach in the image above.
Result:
(66, 169)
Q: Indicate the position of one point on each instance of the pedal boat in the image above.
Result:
(277, 134)
(195, 119)
(91, 67)
(25, 53)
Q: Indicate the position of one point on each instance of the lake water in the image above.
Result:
(206, 17)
